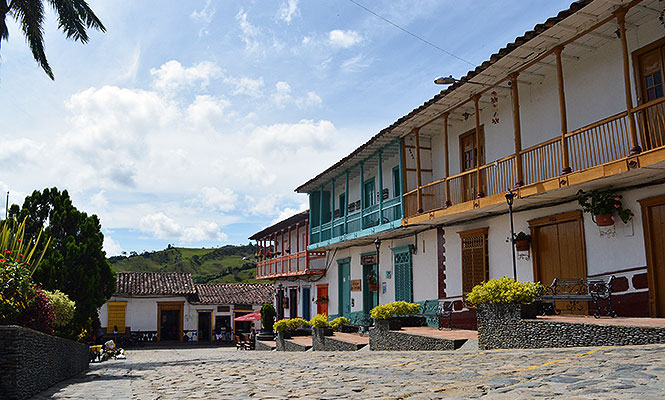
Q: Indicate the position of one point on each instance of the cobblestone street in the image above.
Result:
(209, 373)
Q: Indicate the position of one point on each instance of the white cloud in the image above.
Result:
(356, 63)
(111, 247)
(205, 15)
(288, 10)
(288, 212)
(162, 226)
(312, 99)
(203, 231)
(306, 40)
(305, 133)
(16, 152)
(172, 75)
(283, 97)
(98, 200)
(344, 39)
(222, 200)
(205, 109)
(246, 86)
(249, 31)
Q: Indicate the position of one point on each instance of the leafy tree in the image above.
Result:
(75, 262)
(74, 17)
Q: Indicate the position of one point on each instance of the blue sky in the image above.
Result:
(192, 122)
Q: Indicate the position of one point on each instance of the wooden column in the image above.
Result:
(346, 204)
(565, 163)
(298, 247)
(517, 130)
(362, 196)
(290, 249)
(634, 145)
(332, 207)
(402, 167)
(476, 137)
(419, 178)
(446, 165)
(380, 175)
(321, 214)
(283, 252)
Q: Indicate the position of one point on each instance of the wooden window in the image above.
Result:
(649, 62)
(116, 316)
(475, 258)
(368, 192)
(403, 274)
(342, 203)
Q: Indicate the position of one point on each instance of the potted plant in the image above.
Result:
(522, 241)
(384, 314)
(322, 300)
(338, 323)
(602, 205)
(506, 297)
(372, 283)
(267, 321)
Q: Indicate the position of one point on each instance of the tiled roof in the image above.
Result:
(234, 293)
(155, 283)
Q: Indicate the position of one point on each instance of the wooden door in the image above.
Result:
(559, 252)
(650, 73)
(306, 303)
(321, 297)
(344, 288)
(293, 303)
(469, 160)
(653, 218)
(204, 326)
(403, 275)
(369, 296)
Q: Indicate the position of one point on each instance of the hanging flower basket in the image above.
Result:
(603, 220)
(373, 287)
(522, 245)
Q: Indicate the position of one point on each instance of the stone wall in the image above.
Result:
(500, 326)
(381, 338)
(261, 345)
(283, 344)
(321, 342)
(31, 361)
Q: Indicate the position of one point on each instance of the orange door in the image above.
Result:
(653, 215)
(322, 299)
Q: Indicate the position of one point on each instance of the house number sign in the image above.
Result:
(356, 285)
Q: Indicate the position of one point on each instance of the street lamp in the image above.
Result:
(377, 245)
(449, 80)
(510, 198)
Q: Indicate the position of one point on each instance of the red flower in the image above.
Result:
(18, 240)
(2, 259)
(617, 205)
(617, 198)
(20, 255)
(7, 251)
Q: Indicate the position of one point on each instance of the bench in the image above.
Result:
(439, 310)
(576, 290)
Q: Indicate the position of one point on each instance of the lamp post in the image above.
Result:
(377, 245)
(449, 80)
(510, 198)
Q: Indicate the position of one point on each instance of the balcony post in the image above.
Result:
(447, 160)
(346, 204)
(298, 246)
(402, 167)
(634, 145)
(290, 250)
(320, 214)
(517, 130)
(380, 173)
(476, 97)
(362, 195)
(419, 179)
(565, 163)
(283, 249)
(332, 208)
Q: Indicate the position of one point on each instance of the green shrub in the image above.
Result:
(267, 317)
(338, 323)
(387, 311)
(320, 321)
(295, 323)
(16, 290)
(504, 290)
(282, 325)
(62, 306)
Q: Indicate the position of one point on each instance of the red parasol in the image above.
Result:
(255, 316)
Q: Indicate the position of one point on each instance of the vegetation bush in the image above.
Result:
(16, 290)
(282, 325)
(39, 314)
(338, 323)
(62, 306)
(295, 323)
(268, 317)
(504, 291)
(320, 321)
(387, 311)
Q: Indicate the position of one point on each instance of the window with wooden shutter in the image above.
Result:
(116, 316)
(475, 259)
(403, 274)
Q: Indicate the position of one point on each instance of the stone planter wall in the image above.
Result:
(284, 344)
(500, 326)
(321, 342)
(382, 338)
(32, 361)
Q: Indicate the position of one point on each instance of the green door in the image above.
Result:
(403, 275)
(369, 297)
(344, 288)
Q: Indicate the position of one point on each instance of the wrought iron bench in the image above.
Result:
(576, 290)
(439, 310)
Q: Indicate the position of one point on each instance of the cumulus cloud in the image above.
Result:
(222, 200)
(282, 97)
(111, 247)
(288, 10)
(288, 212)
(344, 39)
(164, 227)
(250, 32)
(15, 152)
(205, 109)
(172, 76)
(205, 15)
(305, 133)
(246, 86)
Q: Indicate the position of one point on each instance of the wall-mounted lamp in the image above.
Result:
(449, 80)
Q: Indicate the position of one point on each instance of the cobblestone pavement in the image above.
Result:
(223, 373)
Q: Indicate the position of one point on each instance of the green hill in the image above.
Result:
(220, 265)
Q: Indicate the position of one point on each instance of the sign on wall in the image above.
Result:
(356, 285)
(368, 259)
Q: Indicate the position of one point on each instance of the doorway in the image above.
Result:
(653, 218)
(469, 161)
(306, 303)
(560, 252)
(322, 299)
(293, 302)
(344, 274)
(170, 321)
(369, 296)
(650, 71)
(204, 326)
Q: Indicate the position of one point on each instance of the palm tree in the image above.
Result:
(74, 17)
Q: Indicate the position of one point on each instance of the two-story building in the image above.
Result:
(576, 103)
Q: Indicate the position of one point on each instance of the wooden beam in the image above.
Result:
(419, 180)
(476, 137)
(447, 161)
(517, 131)
(634, 145)
(565, 163)
(346, 204)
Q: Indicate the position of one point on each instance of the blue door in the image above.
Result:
(403, 275)
(344, 288)
(306, 304)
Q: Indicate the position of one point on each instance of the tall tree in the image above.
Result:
(74, 18)
(75, 262)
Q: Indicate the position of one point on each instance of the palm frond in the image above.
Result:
(4, 10)
(88, 16)
(69, 20)
(30, 15)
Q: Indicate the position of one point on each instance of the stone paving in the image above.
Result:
(221, 373)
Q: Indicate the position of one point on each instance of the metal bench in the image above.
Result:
(439, 310)
(576, 290)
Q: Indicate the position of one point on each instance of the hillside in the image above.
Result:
(220, 265)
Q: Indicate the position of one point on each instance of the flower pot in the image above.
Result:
(522, 245)
(604, 220)
(373, 287)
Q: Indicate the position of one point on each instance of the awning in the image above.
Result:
(255, 316)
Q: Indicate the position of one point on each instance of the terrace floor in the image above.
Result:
(453, 334)
(619, 321)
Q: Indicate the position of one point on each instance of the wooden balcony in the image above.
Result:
(597, 150)
(289, 265)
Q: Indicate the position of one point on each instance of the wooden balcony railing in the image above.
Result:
(598, 143)
(287, 265)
